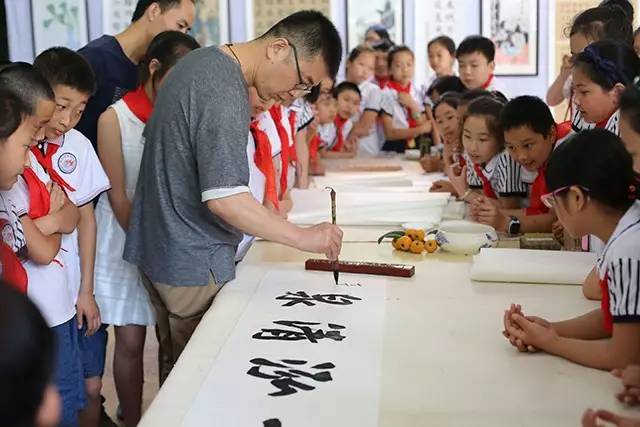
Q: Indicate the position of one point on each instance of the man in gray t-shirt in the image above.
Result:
(192, 202)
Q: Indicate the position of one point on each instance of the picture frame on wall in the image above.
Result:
(262, 14)
(59, 23)
(513, 27)
(211, 24)
(454, 18)
(116, 15)
(361, 14)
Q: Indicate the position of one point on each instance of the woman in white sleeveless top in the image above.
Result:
(119, 291)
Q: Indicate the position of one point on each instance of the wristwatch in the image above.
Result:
(514, 226)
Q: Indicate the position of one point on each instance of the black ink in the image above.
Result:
(283, 376)
(301, 297)
(350, 285)
(304, 332)
(273, 422)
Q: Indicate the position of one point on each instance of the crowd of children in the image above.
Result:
(65, 207)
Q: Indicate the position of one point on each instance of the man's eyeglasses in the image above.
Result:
(301, 86)
(549, 198)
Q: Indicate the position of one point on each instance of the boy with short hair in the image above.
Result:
(476, 64)
(334, 134)
(71, 162)
(530, 134)
(114, 59)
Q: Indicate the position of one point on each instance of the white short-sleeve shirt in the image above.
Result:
(390, 105)
(77, 163)
(503, 173)
(11, 232)
(48, 285)
(620, 264)
(371, 94)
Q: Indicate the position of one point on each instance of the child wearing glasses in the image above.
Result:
(593, 191)
(530, 135)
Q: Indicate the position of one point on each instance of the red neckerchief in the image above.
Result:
(276, 115)
(139, 104)
(39, 197)
(404, 89)
(487, 190)
(13, 271)
(607, 318)
(383, 81)
(264, 162)
(603, 123)
(538, 188)
(486, 84)
(46, 161)
(314, 147)
(339, 122)
(293, 155)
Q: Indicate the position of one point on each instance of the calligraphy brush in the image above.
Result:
(336, 273)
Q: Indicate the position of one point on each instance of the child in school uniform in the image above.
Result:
(447, 121)
(530, 134)
(488, 170)
(15, 135)
(593, 191)
(45, 214)
(441, 52)
(360, 67)
(71, 162)
(123, 300)
(402, 110)
(321, 129)
(334, 135)
(381, 74)
(600, 74)
(630, 375)
(476, 64)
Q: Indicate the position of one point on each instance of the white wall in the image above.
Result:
(21, 41)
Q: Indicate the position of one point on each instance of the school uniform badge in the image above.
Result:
(8, 235)
(67, 163)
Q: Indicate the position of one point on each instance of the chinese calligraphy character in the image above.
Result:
(273, 422)
(301, 297)
(304, 332)
(288, 379)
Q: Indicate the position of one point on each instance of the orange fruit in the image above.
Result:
(394, 242)
(412, 234)
(431, 246)
(404, 243)
(420, 235)
(417, 247)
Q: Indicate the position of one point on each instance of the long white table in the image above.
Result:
(444, 362)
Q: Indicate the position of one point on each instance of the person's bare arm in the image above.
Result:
(41, 249)
(591, 287)
(244, 213)
(87, 309)
(302, 165)
(395, 134)
(555, 93)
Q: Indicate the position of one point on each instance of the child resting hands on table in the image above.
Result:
(592, 190)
